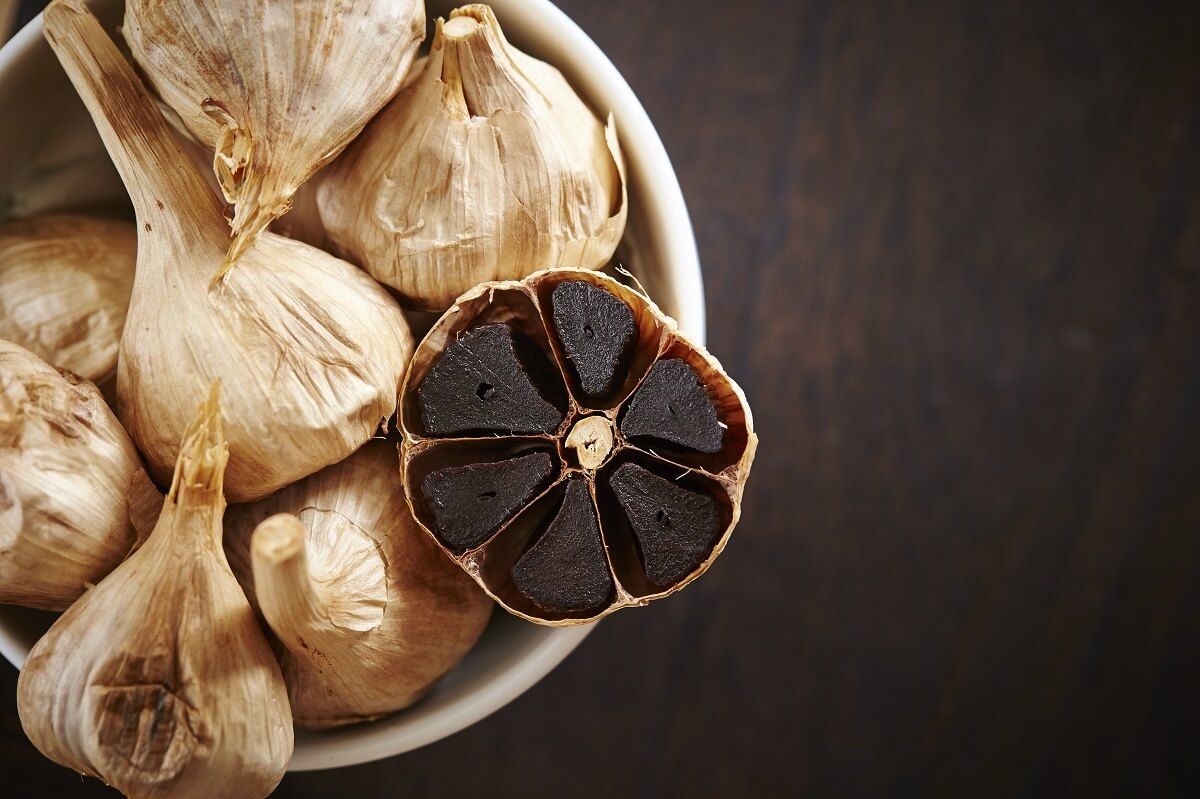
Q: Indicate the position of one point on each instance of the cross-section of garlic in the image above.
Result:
(274, 88)
(70, 480)
(159, 680)
(64, 288)
(486, 166)
(368, 611)
(309, 349)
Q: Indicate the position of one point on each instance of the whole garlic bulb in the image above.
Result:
(70, 481)
(159, 680)
(486, 166)
(368, 611)
(309, 348)
(64, 287)
(274, 88)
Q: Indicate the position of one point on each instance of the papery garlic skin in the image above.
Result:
(309, 349)
(64, 288)
(274, 88)
(67, 474)
(338, 345)
(368, 612)
(486, 166)
(159, 680)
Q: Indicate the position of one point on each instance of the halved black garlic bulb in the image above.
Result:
(569, 448)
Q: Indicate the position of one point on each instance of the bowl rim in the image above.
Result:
(667, 213)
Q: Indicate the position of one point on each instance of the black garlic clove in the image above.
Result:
(470, 503)
(493, 379)
(675, 527)
(671, 405)
(596, 329)
(565, 571)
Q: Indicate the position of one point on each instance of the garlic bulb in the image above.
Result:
(70, 480)
(486, 166)
(64, 288)
(159, 680)
(309, 349)
(368, 611)
(274, 88)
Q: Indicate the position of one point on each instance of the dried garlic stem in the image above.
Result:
(290, 600)
(167, 192)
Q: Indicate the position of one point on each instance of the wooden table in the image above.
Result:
(952, 252)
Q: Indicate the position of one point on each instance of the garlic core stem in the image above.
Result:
(592, 440)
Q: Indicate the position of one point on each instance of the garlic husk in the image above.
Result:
(486, 166)
(303, 221)
(159, 680)
(64, 288)
(309, 349)
(368, 613)
(274, 88)
(70, 480)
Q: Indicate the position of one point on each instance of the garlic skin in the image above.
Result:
(64, 287)
(274, 88)
(309, 349)
(70, 480)
(368, 612)
(159, 680)
(486, 166)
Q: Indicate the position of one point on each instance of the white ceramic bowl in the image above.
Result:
(51, 159)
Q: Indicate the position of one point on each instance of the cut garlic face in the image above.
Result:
(569, 448)
(309, 349)
(159, 680)
(486, 166)
(273, 88)
(69, 476)
(64, 288)
(367, 610)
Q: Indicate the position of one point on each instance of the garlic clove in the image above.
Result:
(486, 166)
(275, 90)
(671, 407)
(368, 612)
(64, 288)
(565, 570)
(159, 680)
(309, 348)
(70, 481)
(676, 527)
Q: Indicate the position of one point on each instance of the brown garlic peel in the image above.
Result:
(309, 349)
(274, 89)
(68, 477)
(159, 680)
(486, 166)
(567, 526)
(368, 611)
(64, 288)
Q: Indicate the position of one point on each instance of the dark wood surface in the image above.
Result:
(952, 252)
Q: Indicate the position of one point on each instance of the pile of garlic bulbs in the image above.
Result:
(247, 367)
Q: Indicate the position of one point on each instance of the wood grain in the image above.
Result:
(952, 253)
